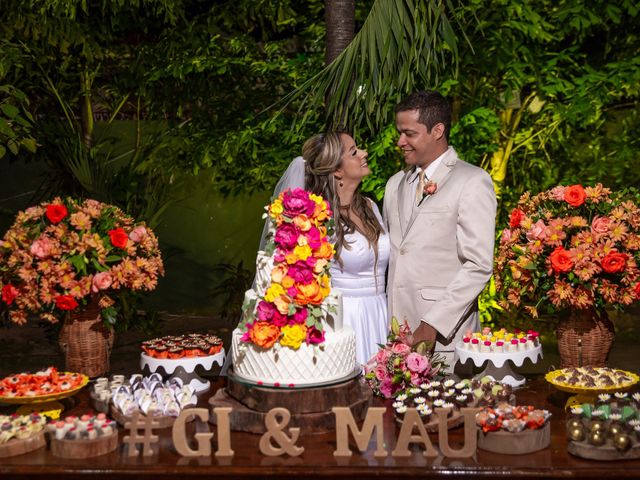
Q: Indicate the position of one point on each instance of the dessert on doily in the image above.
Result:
(21, 433)
(452, 394)
(83, 437)
(150, 395)
(606, 430)
(592, 378)
(46, 382)
(513, 429)
(182, 346)
(291, 333)
(500, 341)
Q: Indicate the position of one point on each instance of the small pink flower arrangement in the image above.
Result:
(60, 255)
(399, 364)
(571, 247)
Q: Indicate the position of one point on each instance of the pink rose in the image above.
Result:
(600, 224)
(538, 231)
(265, 311)
(41, 247)
(557, 193)
(416, 379)
(386, 388)
(401, 349)
(430, 188)
(506, 236)
(138, 234)
(417, 363)
(382, 356)
(314, 336)
(314, 238)
(300, 317)
(287, 236)
(297, 201)
(301, 272)
(279, 319)
(101, 281)
(381, 372)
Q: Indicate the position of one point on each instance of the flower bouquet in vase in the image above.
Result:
(400, 364)
(573, 249)
(72, 260)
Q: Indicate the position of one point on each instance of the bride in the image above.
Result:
(333, 167)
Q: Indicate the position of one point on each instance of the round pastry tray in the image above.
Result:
(162, 420)
(605, 452)
(283, 385)
(455, 420)
(518, 443)
(184, 368)
(19, 447)
(45, 398)
(499, 358)
(84, 448)
(551, 376)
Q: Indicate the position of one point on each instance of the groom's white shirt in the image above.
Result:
(441, 250)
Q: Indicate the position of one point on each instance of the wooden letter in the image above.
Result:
(180, 435)
(224, 431)
(346, 422)
(470, 433)
(412, 419)
(276, 421)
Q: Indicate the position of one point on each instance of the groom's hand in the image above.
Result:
(425, 333)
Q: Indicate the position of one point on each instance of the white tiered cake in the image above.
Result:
(308, 365)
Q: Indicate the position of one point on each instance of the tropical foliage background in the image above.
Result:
(185, 112)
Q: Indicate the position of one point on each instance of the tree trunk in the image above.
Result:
(340, 16)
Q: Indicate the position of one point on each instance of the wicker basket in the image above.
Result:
(585, 339)
(86, 342)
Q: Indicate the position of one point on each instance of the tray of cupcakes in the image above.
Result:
(606, 430)
(513, 429)
(21, 434)
(150, 396)
(452, 394)
(83, 437)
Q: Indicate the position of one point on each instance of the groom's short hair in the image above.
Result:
(433, 108)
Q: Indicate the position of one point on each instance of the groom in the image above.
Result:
(440, 212)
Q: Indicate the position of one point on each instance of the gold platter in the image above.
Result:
(45, 398)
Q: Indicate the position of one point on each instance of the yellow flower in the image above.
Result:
(276, 208)
(293, 336)
(316, 198)
(273, 292)
(302, 252)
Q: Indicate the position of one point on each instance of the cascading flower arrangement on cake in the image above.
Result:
(59, 256)
(289, 313)
(400, 364)
(573, 248)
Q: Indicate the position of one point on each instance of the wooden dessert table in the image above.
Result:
(318, 460)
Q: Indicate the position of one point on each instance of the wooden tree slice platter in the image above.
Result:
(606, 452)
(300, 400)
(18, 447)
(84, 448)
(526, 441)
(118, 416)
(455, 420)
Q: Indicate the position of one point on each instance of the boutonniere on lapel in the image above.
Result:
(429, 189)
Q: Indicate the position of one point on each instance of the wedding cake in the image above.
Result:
(291, 333)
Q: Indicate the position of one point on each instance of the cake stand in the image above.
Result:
(500, 365)
(183, 368)
(587, 394)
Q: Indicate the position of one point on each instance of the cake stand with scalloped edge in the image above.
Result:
(183, 368)
(500, 365)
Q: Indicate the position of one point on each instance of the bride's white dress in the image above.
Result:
(362, 283)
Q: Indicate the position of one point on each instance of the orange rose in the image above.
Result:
(302, 222)
(264, 334)
(614, 262)
(282, 304)
(561, 260)
(309, 293)
(575, 195)
(325, 251)
(287, 282)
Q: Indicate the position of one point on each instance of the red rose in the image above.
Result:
(9, 293)
(56, 212)
(575, 195)
(66, 302)
(516, 217)
(560, 260)
(118, 237)
(614, 262)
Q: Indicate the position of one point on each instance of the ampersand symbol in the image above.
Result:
(275, 426)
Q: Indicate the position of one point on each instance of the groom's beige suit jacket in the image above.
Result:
(441, 250)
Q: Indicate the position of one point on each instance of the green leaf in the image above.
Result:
(79, 263)
(113, 258)
(9, 110)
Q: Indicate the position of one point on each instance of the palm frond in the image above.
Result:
(403, 46)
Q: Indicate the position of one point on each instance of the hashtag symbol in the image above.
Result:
(146, 424)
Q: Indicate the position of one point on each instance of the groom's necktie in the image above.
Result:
(420, 187)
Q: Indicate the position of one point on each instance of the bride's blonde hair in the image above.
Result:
(323, 156)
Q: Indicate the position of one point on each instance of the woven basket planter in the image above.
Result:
(86, 342)
(585, 339)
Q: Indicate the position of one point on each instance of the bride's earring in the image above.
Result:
(340, 182)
